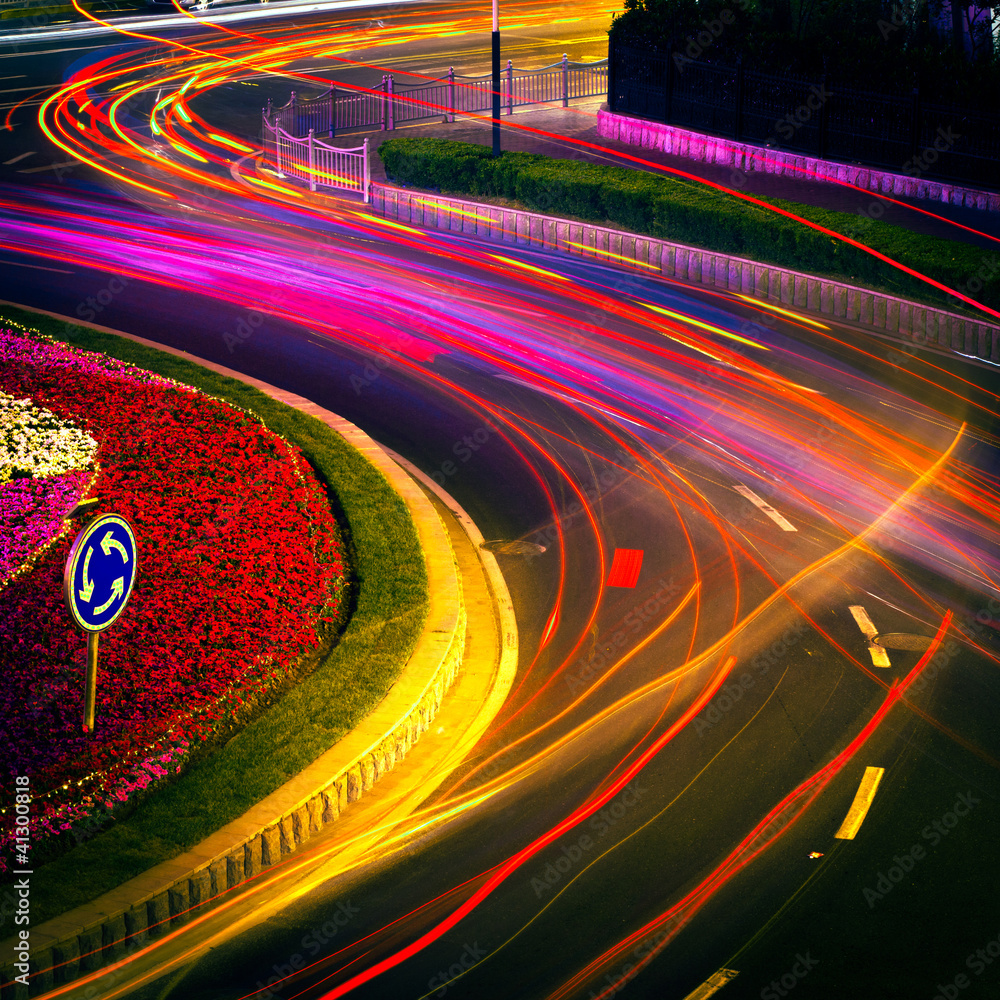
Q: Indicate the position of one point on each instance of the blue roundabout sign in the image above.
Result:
(100, 572)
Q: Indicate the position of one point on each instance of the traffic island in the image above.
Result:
(171, 893)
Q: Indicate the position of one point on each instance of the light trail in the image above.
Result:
(674, 398)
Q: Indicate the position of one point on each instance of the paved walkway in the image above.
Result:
(579, 121)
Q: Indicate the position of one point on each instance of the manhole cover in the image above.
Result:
(904, 640)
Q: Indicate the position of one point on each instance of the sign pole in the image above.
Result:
(97, 583)
(88, 709)
(495, 42)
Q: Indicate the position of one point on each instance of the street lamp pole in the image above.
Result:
(496, 78)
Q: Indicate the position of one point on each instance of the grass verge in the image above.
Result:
(667, 208)
(391, 606)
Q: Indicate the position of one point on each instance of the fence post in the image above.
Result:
(510, 87)
(565, 81)
(333, 110)
(294, 124)
(383, 103)
(611, 72)
(312, 162)
(367, 178)
(391, 124)
(450, 117)
(277, 149)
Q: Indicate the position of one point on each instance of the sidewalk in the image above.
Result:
(579, 121)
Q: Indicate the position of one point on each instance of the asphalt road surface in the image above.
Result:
(720, 505)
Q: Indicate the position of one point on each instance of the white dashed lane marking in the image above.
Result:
(880, 658)
(764, 506)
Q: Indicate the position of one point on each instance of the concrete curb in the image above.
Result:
(915, 324)
(705, 148)
(507, 622)
(152, 904)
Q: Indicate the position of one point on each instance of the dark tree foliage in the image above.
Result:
(875, 44)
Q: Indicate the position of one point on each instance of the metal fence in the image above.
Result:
(388, 105)
(899, 132)
(320, 164)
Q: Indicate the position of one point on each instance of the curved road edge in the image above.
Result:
(103, 931)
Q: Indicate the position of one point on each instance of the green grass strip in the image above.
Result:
(657, 205)
(392, 600)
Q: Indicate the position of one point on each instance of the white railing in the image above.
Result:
(385, 106)
(320, 164)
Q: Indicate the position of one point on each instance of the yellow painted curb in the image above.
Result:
(315, 797)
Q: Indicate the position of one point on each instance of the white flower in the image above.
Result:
(35, 443)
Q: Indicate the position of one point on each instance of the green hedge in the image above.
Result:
(657, 205)
(390, 583)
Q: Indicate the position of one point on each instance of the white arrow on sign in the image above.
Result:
(109, 542)
(88, 585)
(117, 589)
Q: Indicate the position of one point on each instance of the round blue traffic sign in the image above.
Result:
(100, 572)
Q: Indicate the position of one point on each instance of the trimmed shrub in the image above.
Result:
(654, 204)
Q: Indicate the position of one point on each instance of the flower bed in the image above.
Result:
(240, 572)
(37, 450)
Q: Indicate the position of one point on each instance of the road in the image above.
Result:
(680, 742)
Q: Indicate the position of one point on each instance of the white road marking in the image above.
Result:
(49, 166)
(764, 506)
(50, 52)
(864, 622)
(861, 804)
(880, 658)
(17, 159)
(713, 984)
(17, 90)
(36, 267)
